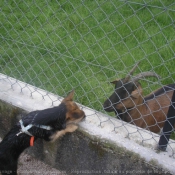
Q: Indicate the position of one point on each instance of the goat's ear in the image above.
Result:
(69, 96)
(137, 92)
(115, 81)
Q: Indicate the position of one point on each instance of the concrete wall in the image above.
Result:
(79, 153)
(98, 147)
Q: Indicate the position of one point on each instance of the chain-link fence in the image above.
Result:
(83, 45)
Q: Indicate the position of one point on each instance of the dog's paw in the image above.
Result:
(58, 134)
(71, 128)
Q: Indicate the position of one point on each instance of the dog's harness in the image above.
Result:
(24, 129)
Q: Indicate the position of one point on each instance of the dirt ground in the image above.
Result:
(31, 166)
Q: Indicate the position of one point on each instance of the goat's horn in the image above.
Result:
(144, 75)
(131, 72)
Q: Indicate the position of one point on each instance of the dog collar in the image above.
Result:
(32, 141)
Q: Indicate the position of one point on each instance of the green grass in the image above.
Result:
(83, 45)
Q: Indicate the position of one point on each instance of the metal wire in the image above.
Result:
(83, 45)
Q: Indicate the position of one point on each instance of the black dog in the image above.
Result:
(48, 124)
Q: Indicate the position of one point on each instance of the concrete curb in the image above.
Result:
(105, 129)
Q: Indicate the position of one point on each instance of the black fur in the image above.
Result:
(160, 91)
(12, 145)
(168, 126)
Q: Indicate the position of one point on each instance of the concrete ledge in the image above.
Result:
(101, 144)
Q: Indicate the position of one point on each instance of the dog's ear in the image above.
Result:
(69, 96)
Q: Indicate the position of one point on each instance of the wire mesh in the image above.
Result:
(83, 45)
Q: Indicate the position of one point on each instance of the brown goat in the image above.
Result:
(128, 103)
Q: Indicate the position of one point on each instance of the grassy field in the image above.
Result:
(82, 45)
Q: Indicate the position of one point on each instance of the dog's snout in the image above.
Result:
(84, 118)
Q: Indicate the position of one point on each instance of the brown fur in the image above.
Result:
(142, 112)
(128, 103)
(73, 116)
(150, 115)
